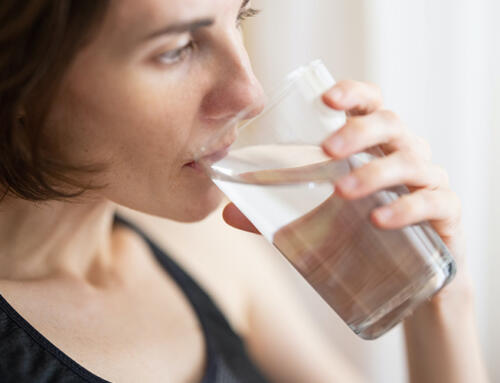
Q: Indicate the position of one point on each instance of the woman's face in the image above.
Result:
(159, 78)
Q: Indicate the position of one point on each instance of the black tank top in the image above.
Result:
(27, 356)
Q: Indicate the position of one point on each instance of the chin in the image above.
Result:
(192, 200)
(195, 207)
(202, 210)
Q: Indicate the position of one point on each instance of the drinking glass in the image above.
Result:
(272, 167)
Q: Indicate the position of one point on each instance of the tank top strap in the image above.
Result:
(223, 346)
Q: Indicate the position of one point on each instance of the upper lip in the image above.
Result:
(213, 156)
(219, 153)
(216, 155)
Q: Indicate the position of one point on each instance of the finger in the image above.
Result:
(382, 128)
(235, 218)
(355, 97)
(413, 143)
(440, 207)
(360, 133)
(399, 168)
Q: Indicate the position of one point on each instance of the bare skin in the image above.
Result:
(142, 106)
(125, 320)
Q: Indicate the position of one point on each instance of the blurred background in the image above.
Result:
(438, 64)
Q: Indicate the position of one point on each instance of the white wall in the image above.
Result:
(436, 63)
(491, 312)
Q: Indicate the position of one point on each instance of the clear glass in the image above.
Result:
(273, 169)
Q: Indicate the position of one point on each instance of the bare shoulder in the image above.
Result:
(230, 264)
(7, 288)
(254, 286)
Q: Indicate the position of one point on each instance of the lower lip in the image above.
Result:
(195, 166)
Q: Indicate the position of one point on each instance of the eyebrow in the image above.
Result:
(188, 26)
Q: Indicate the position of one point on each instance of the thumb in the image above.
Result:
(235, 218)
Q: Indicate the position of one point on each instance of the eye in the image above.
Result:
(176, 55)
(246, 14)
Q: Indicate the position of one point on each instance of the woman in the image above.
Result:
(104, 103)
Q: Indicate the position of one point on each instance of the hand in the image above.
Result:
(407, 161)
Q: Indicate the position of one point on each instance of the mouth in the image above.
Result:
(210, 158)
(224, 142)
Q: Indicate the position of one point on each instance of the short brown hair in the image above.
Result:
(38, 41)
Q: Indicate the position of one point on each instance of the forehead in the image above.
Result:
(130, 13)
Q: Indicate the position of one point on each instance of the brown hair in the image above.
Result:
(38, 40)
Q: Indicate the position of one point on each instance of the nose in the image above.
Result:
(235, 89)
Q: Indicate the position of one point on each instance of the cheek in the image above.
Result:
(144, 132)
(118, 126)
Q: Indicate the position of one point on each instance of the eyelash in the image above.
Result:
(178, 55)
(246, 14)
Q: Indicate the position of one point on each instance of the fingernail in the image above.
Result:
(348, 183)
(336, 144)
(336, 94)
(384, 214)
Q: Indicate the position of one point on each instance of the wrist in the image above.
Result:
(458, 294)
(454, 302)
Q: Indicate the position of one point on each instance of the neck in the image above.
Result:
(43, 240)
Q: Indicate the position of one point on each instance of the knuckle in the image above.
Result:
(347, 85)
(370, 93)
(437, 177)
(413, 162)
(414, 144)
(377, 92)
(418, 154)
(453, 218)
(443, 176)
(410, 158)
(389, 116)
(414, 204)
